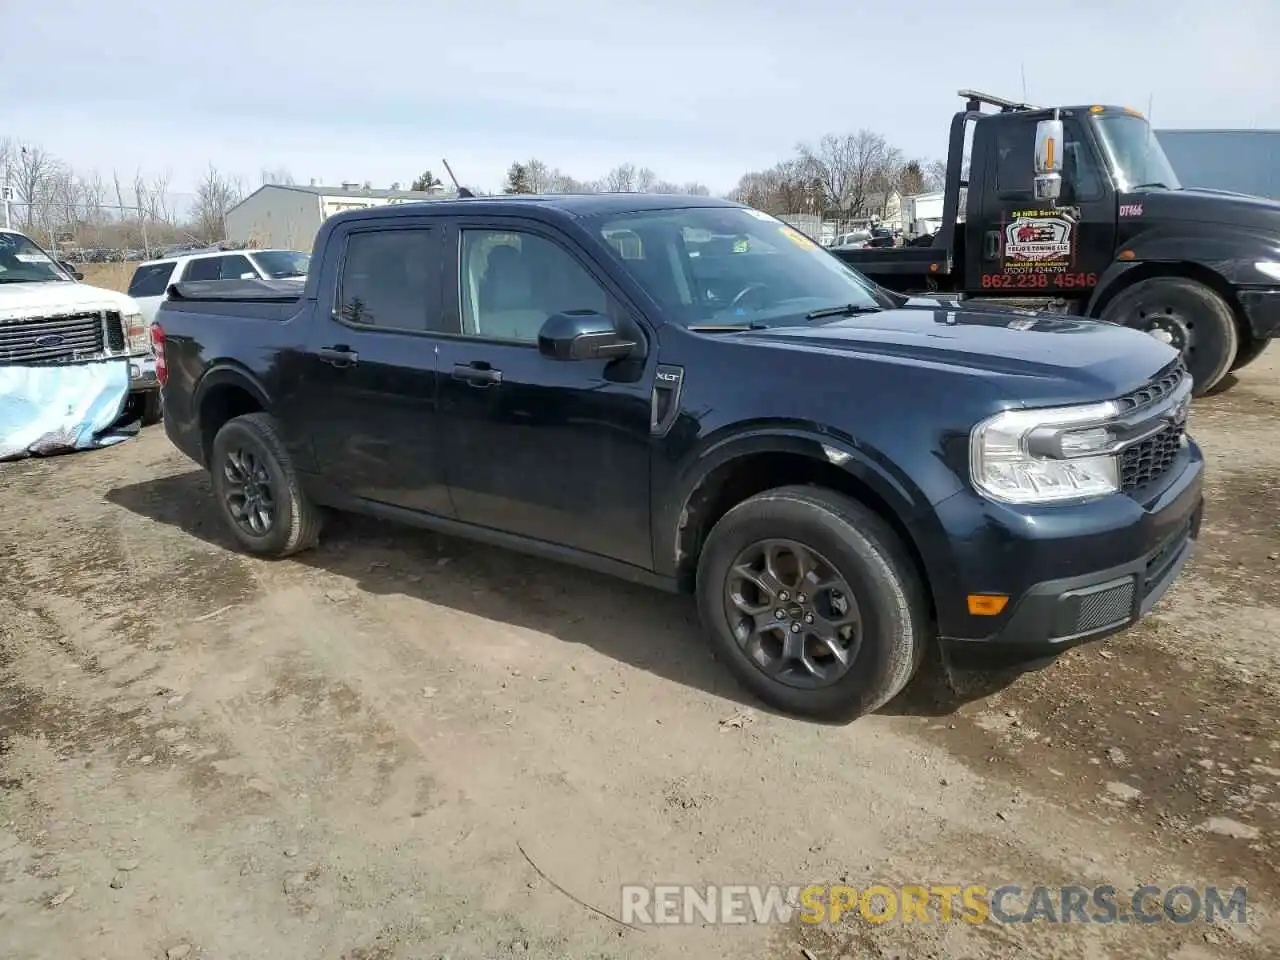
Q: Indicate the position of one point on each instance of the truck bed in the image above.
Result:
(882, 261)
(257, 299)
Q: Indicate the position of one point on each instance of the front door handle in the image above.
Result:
(339, 356)
(478, 373)
(992, 251)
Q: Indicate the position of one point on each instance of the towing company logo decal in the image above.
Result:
(1038, 240)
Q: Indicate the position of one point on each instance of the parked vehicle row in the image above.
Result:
(692, 394)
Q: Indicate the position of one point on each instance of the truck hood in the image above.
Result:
(1034, 358)
(54, 297)
(1152, 206)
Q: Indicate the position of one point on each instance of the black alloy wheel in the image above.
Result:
(792, 613)
(247, 492)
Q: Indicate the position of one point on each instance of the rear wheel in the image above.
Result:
(1248, 353)
(811, 600)
(258, 490)
(1187, 315)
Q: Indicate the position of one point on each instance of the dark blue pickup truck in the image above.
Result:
(692, 394)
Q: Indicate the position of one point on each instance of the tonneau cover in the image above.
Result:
(289, 288)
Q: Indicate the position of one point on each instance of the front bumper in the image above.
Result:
(142, 374)
(1074, 573)
(1262, 307)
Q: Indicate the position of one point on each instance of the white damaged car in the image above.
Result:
(48, 317)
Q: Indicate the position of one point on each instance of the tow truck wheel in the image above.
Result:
(813, 602)
(1248, 353)
(1188, 316)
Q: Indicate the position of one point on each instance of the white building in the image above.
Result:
(284, 216)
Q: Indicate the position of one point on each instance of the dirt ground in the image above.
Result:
(359, 753)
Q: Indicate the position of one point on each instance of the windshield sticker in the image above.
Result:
(31, 258)
(1130, 209)
(758, 214)
(796, 237)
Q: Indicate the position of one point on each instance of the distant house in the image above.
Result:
(288, 216)
(1242, 161)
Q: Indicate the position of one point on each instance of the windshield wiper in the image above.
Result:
(725, 327)
(1143, 186)
(845, 310)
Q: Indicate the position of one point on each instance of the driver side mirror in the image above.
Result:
(1048, 160)
(583, 335)
(67, 266)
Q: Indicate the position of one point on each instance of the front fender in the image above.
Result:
(1229, 255)
(908, 504)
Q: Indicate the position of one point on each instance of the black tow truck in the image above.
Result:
(1077, 210)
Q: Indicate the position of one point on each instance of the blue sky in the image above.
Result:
(697, 90)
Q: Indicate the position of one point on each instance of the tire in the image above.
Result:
(887, 594)
(152, 408)
(254, 443)
(1248, 353)
(1194, 314)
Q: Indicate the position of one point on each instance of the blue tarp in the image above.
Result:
(59, 408)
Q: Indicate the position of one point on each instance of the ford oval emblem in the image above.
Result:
(50, 340)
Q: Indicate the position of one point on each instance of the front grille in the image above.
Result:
(52, 339)
(115, 332)
(1147, 461)
(1157, 389)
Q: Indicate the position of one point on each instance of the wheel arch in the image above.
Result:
(1123, 275)
(226, 391)
(742, 467)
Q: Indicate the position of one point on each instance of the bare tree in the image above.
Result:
(215, 195)
(851, 168)
(160, 207)
(33, 172)
(935, 175)
(277, 175)
(621, 179)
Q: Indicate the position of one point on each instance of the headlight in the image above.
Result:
(1270, 268)
(1044, 456)
(135, 332)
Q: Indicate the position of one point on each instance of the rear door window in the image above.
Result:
(151, 279)
(235, 267)
(206, 268)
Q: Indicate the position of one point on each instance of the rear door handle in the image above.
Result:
(339, 356)
(478, 373)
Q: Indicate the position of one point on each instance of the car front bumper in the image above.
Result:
(1072, 573)
(1262, 307)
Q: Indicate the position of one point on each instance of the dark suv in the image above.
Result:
(693, 394)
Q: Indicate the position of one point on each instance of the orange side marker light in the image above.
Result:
(987, 604)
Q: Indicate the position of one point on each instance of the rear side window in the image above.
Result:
(391, 279)
(206, 268)
(1015, 158)
(150, 280)
(235, 268)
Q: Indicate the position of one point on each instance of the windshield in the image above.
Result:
(21, 261)
(278, 264)
(731, 265)
(1135, 154)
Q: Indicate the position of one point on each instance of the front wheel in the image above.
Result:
(259, 493)
(1187, 315)
(813, 603)
(152, 408)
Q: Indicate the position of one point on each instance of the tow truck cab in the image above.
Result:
(1078, 210)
